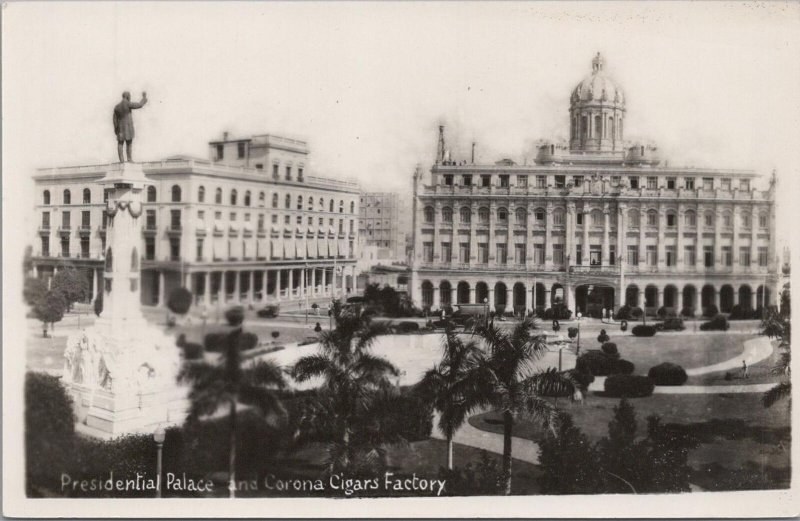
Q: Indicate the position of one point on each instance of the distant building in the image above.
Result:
(380, 225)
(595, 223)
(248, 226)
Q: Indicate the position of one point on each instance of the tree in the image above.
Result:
(351, 379)
(569, 462)
(33, 290)
(98, 304)
(228, 383)
(506, 380)
(50, 309)
(72, 284)
(621, 458)
(179, 301)
(444, 385)
(777, 325)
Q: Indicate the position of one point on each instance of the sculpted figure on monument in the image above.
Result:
(123, 123)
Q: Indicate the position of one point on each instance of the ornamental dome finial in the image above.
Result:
(597, 63)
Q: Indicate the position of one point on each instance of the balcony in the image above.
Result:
(200, 232)
(247, 233)
(85, 230)
(149, 230)
(261, 233)
(44, 229)
(175, 230)
(65, 231)
(598, 269)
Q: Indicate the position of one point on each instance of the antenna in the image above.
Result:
(440, 153)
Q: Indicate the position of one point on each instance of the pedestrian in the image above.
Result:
(744, 369)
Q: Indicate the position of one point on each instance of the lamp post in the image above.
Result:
(204, 317)
(486, 312)
(158, 436)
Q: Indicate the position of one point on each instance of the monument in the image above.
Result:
(122, 371)
(123, 123)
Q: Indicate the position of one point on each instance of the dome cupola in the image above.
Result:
(597, 111)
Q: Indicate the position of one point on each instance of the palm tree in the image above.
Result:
(778, 326)
(352, 378)
(444, 385)
(230, 382)
(506, 379)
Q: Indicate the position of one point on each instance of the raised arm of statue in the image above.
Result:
(141, 103)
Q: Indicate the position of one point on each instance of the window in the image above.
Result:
(486, 181)
(86, 219)
(578, 254)
(201, 216)
(577, 180)
(747, 221)
(652, 183)
(671, 220)
(670, 256)
(688, 256)
(201, 194)
(558, 217)
(633, 255)
(287, 219)
(299, 202)
(671, 183)
(612, 254)
(690, 218)
(287, 203)
(428, 214)
(262, 200)
(466, 180)
(448, 180)
(240, 150)
(688, 183)
(503, 181)
(341, 206)
(633, 218)
(595, 255)
(352, 224)
(300, 173)
(727, 220)
(744, 256)
(727, 256)
(175, 219)
(463, 253)
(218, 196)
(708, 183)
(708, 219)
(725, 183)
(652, 255)
(447, 252)
(46, 220)
(538, 214)
(65, 246)
(541, 181)
(175, 248)
(274, 218)
(708, 256)
(652, 218)
(763, 220)
(45, 246)
(561, 181)
(519, 254)
(275, 171)
(247, 198)
(259, 166)
(483, 253)
(447, 214)
(288, 172)
(502, 253)
(65, 220)
(520, 215)
(579, 218)
(538, 253)
(464, 214)
(176, 194)
(597, 218)
(199, 250)
(744, 184)
(762, 256)
(522, 181)
(502, 215)
(87, 196)
(67, 197)
(220, 152)
(558, 254)
(46, 197)
(427, 252)
(299, 219)
(234, 197)
(634, 182)
(352, 207)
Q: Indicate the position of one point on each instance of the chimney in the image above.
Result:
(440, 153)
(473, 152)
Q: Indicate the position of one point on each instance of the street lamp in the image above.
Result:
(486, 311)
(158, 436)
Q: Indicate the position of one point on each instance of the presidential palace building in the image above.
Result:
(249, 225)
(593, 224)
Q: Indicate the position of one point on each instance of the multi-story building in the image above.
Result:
(594, 223)
(379, 225)
(248, 226)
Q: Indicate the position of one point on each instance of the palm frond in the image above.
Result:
(265, 399)
(265, 372)
(311, 366)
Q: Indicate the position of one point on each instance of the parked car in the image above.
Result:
(269, 311)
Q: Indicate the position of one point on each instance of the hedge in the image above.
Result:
(628, 386)
(603, 336)
(718, 323)
(598, 363)
(572, 332)
(610, 348)
(667, 374)
(741, 313)
(217, 342)
(406, 327)
(710, 311)
(558, 312)
(643, 330)
(687, 312)
(192, 351)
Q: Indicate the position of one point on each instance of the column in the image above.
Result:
(437, 219)
(491, 296)
(290, 288)
(698, 241)
(302, 290)
(325, 290)
(237, 287)
(207, 288)
(313, 284)
(606, 224)
(548, 240)
(278, 296)
(715, 300)
(251, 289)
(221, 288)
(453, 295)
(492, 242)
(642, 249)
(473, 234)
(547, 296)
(736, 241)
(585, 241)
(161, 289)
(679, 245)
(660, 298)
(533, 295)
(754, 239)
(529, 237)
(437, 303)
(569, 239)
(472, 294)
(660, 251)
(189, 282)
(527, 299)
(717, 239)
(568, 296)
(92, 291)
(264, 285)
(509, 297)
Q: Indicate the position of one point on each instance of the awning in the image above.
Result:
(234, 227)
(342, 247)
(311, 248)
(334, 247)
(236, 249)
(277, 248)
(288, 248)
(262, 248)
(219, 248)
(248, 227)
(323, 248)
(219, 226)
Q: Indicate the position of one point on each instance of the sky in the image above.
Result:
(367, 84)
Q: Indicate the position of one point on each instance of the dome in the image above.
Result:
(598, 86)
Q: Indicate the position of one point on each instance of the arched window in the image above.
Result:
(763, 220)
(341, 206)
(67, 197)
(652, 218)
(176, 194)
(520, 215)
(234, 196)
(262, 200)
(727, 219)
(352, 207)
(274, 200)
(46, 197)
(502, 215)
(597, 218)
(538, 215)
(218, 196)
(598, 123)
(708, 218)
(428, 214)
(288, 202)
(299, 202)
(310, 203)
(201, 194)
(87, 196)
(151, 194)
(690, 218)
(483, 215)
(633, 218)
(747, 221)
(447, 214)
(464, 214)
(672, 219)
(330, 206)
(134, 259)
(558, 217)
(247, 198)
(321, 204)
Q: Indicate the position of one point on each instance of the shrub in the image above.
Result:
(235, 316)
(741, 313)
(628, 386)
(625, 367)
(98, 304)
(484, 479)
(643, 330)
(50, 308)
(667, 374)
(72, 284)
(687, 312)
(610, 348)
(623, 313)
(662, 312)
(718, 323)
(728, 376)
(598, 363)
(636, 313)
(269, 311)
(192, 351)
(217, 342)
(33, 290)
(179, 301)
(583, 379)
(181, 340)
(572, 332)
(623, 326)
(710, 311)
(406, 327)
(275, 334)
(603, 337)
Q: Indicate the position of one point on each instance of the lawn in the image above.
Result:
(756, 373)
(741, 444)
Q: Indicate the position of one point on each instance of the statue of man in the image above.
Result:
(123, 122)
